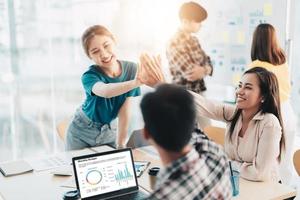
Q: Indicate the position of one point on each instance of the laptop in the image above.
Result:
(107, 175)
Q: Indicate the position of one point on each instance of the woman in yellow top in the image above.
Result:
(266, 53)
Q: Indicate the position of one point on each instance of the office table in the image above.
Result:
(43, 185)
(249, 190)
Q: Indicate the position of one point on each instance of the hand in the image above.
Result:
(141, 75)
(150, 72)
(196, 73)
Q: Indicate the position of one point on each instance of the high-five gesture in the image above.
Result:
(150, 70)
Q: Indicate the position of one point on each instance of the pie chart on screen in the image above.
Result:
(93, 177)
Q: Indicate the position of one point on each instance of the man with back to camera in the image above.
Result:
(187, 61)
(191, 171)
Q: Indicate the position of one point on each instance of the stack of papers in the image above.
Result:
(60, 161)
(48, 162)
(56, 160)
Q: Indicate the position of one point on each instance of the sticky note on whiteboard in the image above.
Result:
(268, 9)
(236, 78)
(241, 37)
(225, 37)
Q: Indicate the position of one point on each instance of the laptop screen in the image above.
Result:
(105, 174)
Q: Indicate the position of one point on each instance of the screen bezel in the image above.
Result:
(108, 194)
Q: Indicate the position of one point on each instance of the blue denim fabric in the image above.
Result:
(83, 132)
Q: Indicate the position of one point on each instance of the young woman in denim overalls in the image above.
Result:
(109, 85)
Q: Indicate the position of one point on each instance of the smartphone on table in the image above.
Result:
(140, 167)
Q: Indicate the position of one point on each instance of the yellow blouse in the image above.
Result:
(282, 74)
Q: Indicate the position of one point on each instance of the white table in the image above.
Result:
(45, 186)
(249, 190)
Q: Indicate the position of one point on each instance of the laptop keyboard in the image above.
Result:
(132, 196)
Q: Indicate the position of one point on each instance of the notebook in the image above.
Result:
(15, 168)
(107, 175)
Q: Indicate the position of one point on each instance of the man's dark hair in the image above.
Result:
(169, 116)
(193, 12)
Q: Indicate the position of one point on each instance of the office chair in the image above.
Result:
(296, 159)
(216, 134)
(137, 139)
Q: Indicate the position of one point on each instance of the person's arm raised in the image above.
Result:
(109, 90)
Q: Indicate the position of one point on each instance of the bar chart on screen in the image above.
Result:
(123, 175)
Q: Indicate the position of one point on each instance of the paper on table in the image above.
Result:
(102, 148)
(48, 162)
(70, 154)
(56, 160)
(66, 170)
(17, 167)
(70, 183)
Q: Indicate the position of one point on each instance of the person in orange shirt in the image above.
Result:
(266, 53)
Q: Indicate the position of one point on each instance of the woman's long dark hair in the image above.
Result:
(265, 46)
(269, 89)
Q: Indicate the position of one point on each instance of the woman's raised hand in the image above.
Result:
(150, 71)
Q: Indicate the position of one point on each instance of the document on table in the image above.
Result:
(102, 148)
(70, 154)
(56, 160)
(48, 162)
(63, 158)
(70, 183)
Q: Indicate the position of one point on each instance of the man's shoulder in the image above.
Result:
(206, 147)
(172, 42)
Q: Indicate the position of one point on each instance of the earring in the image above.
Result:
(262, 101)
